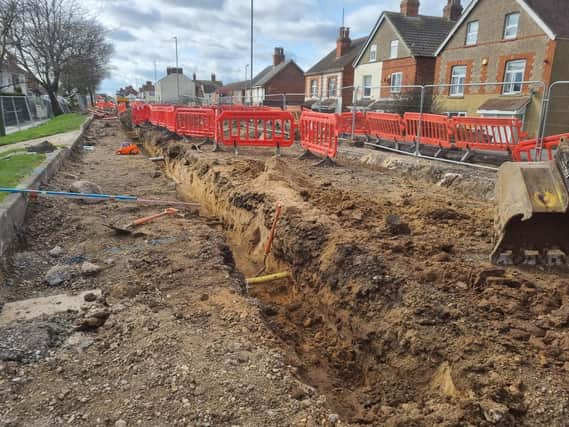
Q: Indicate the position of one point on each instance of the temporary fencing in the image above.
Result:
(431, 129)
(356, 123)
(386, 126)
(483, 133)
(256, 128)
(526, 151)
(164, 116)
(319, 133)
(140, 113)
(121, 107)
(195, 122)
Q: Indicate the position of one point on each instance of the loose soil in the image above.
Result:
(393, 316)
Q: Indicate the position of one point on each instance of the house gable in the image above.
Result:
(382, 34)
(493, 13)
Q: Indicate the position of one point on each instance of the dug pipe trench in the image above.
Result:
(247, 223)
(344, 320)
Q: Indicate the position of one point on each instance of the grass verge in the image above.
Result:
(60, 124)
(16, 168)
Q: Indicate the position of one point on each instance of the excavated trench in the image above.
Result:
(369, 319)
(311, 313)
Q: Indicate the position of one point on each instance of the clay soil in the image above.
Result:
(392, 316)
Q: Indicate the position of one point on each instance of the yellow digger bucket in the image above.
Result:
(532, 213)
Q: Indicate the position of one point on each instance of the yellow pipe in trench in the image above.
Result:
(268, 278)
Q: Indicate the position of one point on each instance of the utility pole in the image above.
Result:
(251, 81)
(155, 82)
(177, 70)
(246, 72)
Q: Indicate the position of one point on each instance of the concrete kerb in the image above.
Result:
(13, 209)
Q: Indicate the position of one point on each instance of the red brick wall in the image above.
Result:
(347, 80)
(407, 66)
(528, 74)
(289, 80)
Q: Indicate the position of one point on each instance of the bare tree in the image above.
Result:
(46, 40)
(90, 64)
(8, 13)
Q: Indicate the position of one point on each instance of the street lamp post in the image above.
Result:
(177, 71)
(251, 81)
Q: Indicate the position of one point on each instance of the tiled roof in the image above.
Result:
(330, 63)
(260, 79)
(511, 103)
(422, 34)
(554, 13)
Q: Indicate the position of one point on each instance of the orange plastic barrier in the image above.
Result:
(121, 108)
(163, 116)
(435, 129)
(140, 113)
(386, 126)
(525, 150)
(482, 133)
(255, 128)
(319, 133)
(104, 105)
(346, 122)
(196, 122)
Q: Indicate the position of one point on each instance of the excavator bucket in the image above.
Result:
(532, 218)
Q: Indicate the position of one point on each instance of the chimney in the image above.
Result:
(278, 56)
(173, 70)
(410, 7)
(453, 10)
(213, 77)
(194, 77)
(344, 42)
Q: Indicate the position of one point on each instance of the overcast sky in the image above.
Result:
(213, 35)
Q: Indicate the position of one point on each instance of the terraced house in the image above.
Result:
(329, 83)
(506, 42)
(400, 51)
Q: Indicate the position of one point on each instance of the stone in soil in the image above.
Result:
(90, 269)
(58, 274)
(56, 252)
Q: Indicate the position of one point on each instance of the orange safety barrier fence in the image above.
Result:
(319, 133)
(255, 128)
(346, 122)
(483, 133)
(163, 116)
(121, 108)
(386, 126)
(435, 129)
(196, 122)
(140, 113)
(525, 150)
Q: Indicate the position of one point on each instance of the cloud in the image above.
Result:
(122, 35)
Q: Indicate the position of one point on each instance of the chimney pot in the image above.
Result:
(453, 10)
(194, 77)
(410, 7)
(344, 42)
(278, 56)
(213, 77)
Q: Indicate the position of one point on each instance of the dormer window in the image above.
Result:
(472, 33)
(394, 51)
(511, 26)
(373, 53)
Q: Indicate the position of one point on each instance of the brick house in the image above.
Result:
(506, 41)
(282, 77)
(325, 80)
(400, 51)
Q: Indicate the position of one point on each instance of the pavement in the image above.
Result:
(61, 139)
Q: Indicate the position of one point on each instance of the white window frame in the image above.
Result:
(366, 87)
(456, 113)
(394, 49)
(335, 91)
(514, 68)
(373, 53)
(471, 34)
(510, 29)
(457, 80)
(396, 82)
(314, 88)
